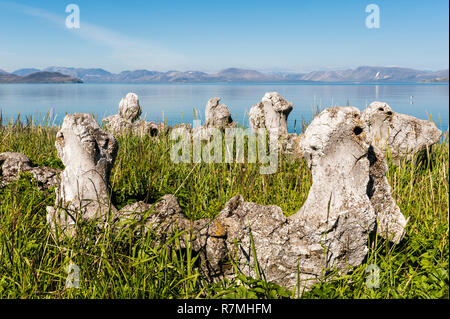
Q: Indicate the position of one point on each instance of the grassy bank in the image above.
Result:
(33, 264)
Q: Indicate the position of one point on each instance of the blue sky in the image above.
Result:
(297, 36)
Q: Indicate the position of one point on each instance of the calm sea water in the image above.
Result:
(176, 102)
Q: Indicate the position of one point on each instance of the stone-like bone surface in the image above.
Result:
(88, 154)
(16, 163)
(391, 222)
(337, 213)
(271, 113)
(403, 134)
(332, 227)
(217, 115)
(291, 145)
(129, 108)
(127, 121)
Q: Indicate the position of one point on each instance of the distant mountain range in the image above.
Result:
(37, 77)
(363, 74)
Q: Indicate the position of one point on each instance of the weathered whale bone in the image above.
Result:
(129, 108)
(403, 134)
(327, 141)
(15, 163)
(271, 113)
(217, 114)
(88, 154)
(391, 222)
(127, 121)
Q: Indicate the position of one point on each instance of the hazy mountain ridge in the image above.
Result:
(25, 72)
(39, 77)
(363, 74)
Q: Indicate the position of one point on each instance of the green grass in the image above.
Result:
(33, 264)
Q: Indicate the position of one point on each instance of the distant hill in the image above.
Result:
(39, 77)
(89, 75)
(373, 74)
(25, 72)
(240, 75)
(437, 80)
(7, 77)
(363, 74)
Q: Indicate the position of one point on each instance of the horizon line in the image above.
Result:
(230, 68)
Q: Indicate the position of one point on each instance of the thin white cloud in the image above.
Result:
(126, 50)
